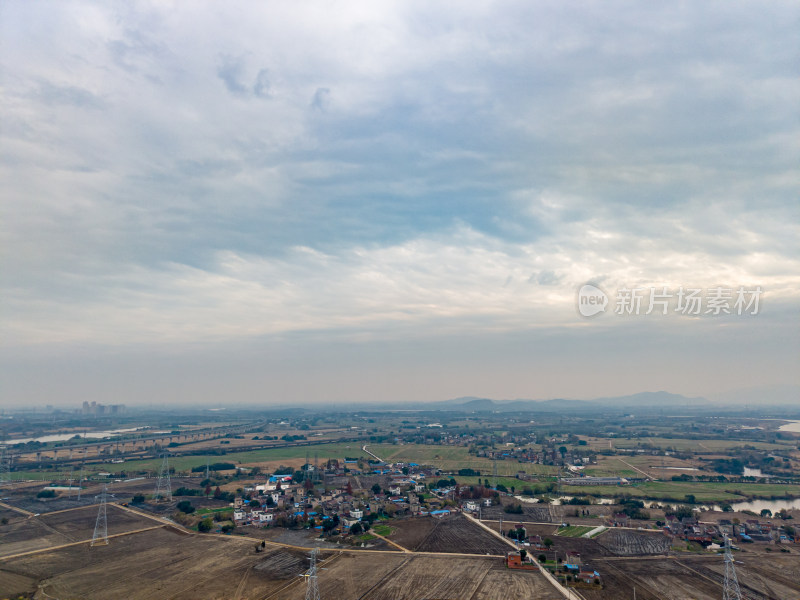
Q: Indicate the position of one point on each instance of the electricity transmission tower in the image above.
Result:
(312, 588)
(101, 525)
(5, 467)
(80, 477)
(731, 591)
(163, 485)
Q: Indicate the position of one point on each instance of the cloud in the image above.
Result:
(464, 156)
(263, 86)
(231, 72)
(321, 99)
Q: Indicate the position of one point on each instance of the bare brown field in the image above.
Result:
(531, 513)
(632, 543)
(696, 577)
(451, 534)
(410, 533)
(458, 534)
(774, 576)
(164, 565)
(154, 564)
(412, 577)
(35, 533)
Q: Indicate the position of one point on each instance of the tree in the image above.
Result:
(207, 491)
(205, 525)
(328, 525)
(137, 499)
(765, 512)
(255, 504)
(523, 554)
(217, 493)
(542, 558)
(547, 543)
(376, 489)
(356, 529)
(185, 507)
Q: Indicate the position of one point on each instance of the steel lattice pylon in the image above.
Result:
(312, 588)
(163, 485)
(5, 467)
(731, 591)
(101, 525)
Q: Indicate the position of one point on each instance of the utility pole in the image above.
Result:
(101, 525)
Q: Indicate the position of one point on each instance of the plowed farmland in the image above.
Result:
(632, 543)
(451, 534)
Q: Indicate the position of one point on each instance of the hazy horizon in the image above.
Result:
(381, 202)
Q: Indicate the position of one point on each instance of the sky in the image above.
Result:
(346, 202)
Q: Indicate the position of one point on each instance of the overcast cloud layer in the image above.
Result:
(283, 202)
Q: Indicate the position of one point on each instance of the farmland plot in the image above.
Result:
(631, 543)
(457, 534)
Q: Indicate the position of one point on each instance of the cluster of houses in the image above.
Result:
(752, 530)
(572, 564)
(403, 490)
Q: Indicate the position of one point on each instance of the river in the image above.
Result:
(60, 437)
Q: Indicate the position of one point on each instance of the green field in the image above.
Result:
(573, 531)
(677, 490)
(383, 530)
(185, 463)
(509, 482)
(453, 458)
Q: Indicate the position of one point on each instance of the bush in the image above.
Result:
(205, 525)
(468, 473)
(579, 501)
(137, 499)
(214, 467)
(46, 494)
(185, 507)
(514, 509)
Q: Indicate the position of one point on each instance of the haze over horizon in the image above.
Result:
(392, 201)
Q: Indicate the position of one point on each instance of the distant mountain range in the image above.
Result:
(641, 400)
